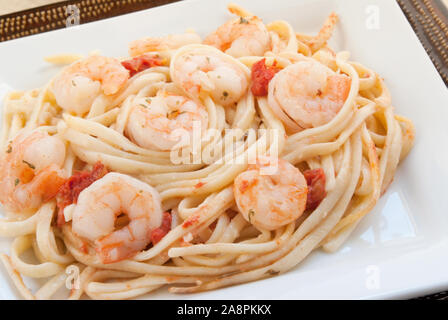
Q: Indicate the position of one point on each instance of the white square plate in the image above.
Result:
(400, 249)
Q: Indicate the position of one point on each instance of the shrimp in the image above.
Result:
(320, 40)
(77, 86)
(199, 68)
(307, 94)
(152, 122)
(170, 42)
(270, 201)
(243, 36)
(101, 206)
(30, 170)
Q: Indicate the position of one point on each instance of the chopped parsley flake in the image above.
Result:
(272, 272)
(16, 182)
(251, 214)
(29, 164)
(174, 114)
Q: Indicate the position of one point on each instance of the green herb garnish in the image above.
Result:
(174, 114)
(29, 164)
(272, 272)
(250, 214)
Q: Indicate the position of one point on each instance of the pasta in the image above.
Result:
(196, 164)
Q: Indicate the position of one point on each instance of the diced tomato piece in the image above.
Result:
(140, 63)
(158, 233)
(261, 76)
(316, 187)
(192, 220)
(68, 193)
(199, 184)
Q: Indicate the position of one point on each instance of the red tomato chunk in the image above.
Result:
(140, 63)
(261, 75)
(158, 233)
(68, 193)
(316, 187)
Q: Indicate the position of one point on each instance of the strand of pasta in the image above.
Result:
(282, 30)
(309, 151)
(16, 277)
(39, 108)
(230, 234)
(221, 225)
(108, 274)
(84, 277)
(13, 99)
(47, 290)
(219, 203)
(110, 136)
(104, 103)
(15, 228)
(265, 236)
(239, 248)
(194, 177)
(141, 282)
(46, 238)
(346, 225)
(130, 166)
(42, 270)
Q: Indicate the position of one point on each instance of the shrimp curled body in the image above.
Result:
(307, 94)
(270, 201)
(239, 37)
(157, 123)
(201, 69)
(158, 44)
(77, 86)
(30, 170)
(99, 206)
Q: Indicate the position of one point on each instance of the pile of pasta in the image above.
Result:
(210, 243)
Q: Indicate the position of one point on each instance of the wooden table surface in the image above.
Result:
(9, 6)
